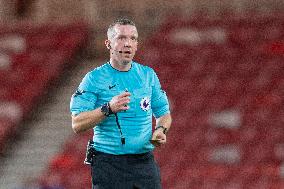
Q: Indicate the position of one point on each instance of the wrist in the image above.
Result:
(106, 110)
(161, 127)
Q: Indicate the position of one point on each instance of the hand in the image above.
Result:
(158, 138)
(120, 102)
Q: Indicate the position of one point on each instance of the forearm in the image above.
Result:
(159, 135)
(165, 120)
(86, 120)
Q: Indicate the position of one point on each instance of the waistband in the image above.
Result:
(143, 155)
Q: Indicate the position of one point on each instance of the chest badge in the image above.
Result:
(145, 104)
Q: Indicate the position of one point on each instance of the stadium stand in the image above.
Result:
(227, 100)
(224, 78)
(30, 58)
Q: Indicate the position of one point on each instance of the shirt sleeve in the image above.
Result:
(85, 97)
(159, 100)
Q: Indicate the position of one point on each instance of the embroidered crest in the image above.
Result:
(145, 104)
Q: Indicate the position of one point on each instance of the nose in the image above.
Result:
(127, 43)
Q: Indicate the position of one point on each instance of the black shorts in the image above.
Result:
(139, 171)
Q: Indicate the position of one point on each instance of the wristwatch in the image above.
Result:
(164, 128)
(106, 110)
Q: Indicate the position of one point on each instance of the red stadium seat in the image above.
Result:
(7, 129)
(39, 58)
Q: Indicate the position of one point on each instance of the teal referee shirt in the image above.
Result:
(147, 99)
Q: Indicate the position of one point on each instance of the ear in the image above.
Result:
(107, 43)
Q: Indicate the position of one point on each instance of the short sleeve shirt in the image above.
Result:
(147, 99)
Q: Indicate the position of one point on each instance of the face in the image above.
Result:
(124, 39)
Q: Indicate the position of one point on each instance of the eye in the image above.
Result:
(121, 37)
(134, 38)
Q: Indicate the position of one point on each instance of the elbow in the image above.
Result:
(76, 127)
(170, 118)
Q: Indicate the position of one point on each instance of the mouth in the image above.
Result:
(126, 52)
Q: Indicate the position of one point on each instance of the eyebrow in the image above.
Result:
(120, 35)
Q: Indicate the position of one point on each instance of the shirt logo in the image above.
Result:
(145, 104)
(111, 86)
(78, 92)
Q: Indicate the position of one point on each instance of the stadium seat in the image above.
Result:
(7, 129)
(36, 56)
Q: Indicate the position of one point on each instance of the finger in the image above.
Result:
(124, 102)
(125, 107)
(124, 94)
(158, 137)
(125, 98)
(155, 143)
(154, 137)
(158, 140)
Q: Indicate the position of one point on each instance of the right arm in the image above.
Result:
(85, 120)
(88, 119)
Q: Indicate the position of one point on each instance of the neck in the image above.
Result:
(121, 66)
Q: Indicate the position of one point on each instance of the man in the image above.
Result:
(117, 100)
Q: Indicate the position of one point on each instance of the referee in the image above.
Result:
(117, 100)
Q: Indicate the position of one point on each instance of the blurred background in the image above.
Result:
(221, 63)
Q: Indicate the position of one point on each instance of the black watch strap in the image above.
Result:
(164, 128)
(106, 110)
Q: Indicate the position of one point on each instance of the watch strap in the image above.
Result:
(164, 128)
(106, 110)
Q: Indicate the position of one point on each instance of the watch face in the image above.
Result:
(105, 109)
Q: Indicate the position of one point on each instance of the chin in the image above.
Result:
(125, 62)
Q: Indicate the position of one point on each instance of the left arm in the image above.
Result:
(165, 120)
(161, 110)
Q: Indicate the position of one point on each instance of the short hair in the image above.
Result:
(119, 21)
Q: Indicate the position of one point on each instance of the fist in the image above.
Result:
(158, 138)
(120, 102)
